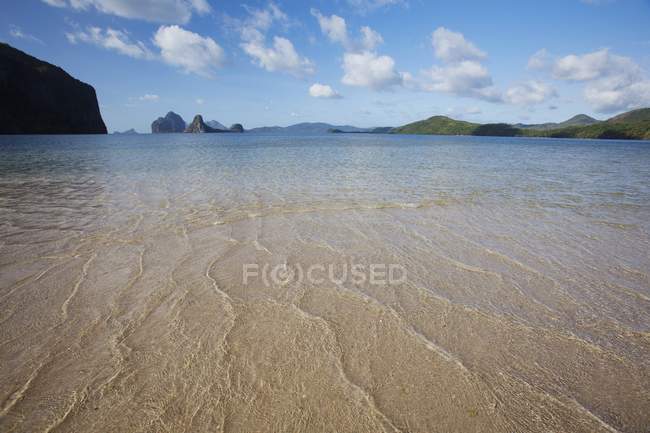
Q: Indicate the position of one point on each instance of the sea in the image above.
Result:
(330, 283)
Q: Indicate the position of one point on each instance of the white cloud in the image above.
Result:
(617, 93)
(172, 11)
(370, 39)
(334, 27)
(111, 39)
(612, 82)
(318, 90)
(262, 19)
(282, 55)
(453, 47)
(529, 93)
(200, 101)
(362, 66)
(368, 69)
(461, 73)
(586, 67)
(467, 78)
(539, 60)
(191, 52)
(149, 98)
(16, 32)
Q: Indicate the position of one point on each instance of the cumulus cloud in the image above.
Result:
(178, 47)
(281, 55)
(189, 51)
(111, 39)
(461, 72)
(334, 27)
(318, 90)
(262, 19)
(612, 82)
(370, 39)
(172, 11)
(529, 93)
(336, 30)
(367, 69)
(452, 47)
(362, 65)
(466, 78)
(591, 66)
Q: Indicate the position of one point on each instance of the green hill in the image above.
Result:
(438, 125)
(608, 130)
(577, 120)
(633, 125)
(640, 115)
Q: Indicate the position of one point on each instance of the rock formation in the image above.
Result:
(236, 127)
(172, 122)
(216, 125)
(39, 98)
(198, 126)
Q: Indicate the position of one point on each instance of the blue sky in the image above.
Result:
(361, 62)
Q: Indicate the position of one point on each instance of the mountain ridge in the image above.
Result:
(577, 120)
(305, 128)
(634, 125)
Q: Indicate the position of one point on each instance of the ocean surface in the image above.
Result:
(159, 283)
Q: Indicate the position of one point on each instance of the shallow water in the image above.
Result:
(125, 305)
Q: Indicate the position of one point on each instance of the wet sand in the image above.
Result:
(147, 326)
(136, 318)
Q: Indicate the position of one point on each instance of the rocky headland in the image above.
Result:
(37, 97)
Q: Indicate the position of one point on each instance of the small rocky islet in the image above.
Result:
(172, 122)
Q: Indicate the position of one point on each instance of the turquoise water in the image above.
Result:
(234, 170)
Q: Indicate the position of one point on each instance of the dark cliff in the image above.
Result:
(39, 98)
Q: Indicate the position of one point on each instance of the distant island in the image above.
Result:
(633, 125)
(37, 97)
(307, 128)
(172, 122)
(199, 127)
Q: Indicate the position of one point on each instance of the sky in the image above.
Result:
(360, 62)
